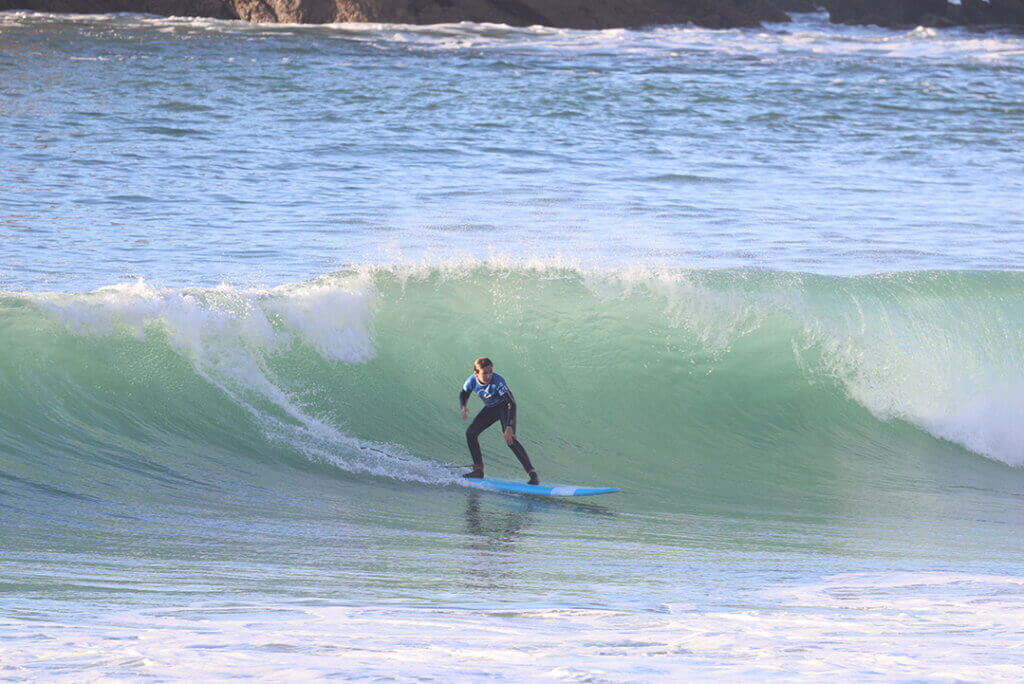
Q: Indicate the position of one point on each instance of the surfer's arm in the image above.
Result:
(467, 389)
(510, 415)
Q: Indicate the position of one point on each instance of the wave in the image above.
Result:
(716, 384)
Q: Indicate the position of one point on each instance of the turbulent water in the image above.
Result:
(768, 282)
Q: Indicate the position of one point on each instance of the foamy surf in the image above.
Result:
(842, 628)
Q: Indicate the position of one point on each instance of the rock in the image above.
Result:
(581, 14)
(883, 12)
(799, 5)
(1007, 12)
(217, 9)
(589, 14)
(940, 13)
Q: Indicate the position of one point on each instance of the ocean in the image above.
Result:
(766, 281)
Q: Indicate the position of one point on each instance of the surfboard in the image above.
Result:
(542, 489)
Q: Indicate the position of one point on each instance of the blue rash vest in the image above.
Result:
(492, 394)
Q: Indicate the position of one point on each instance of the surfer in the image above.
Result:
(498, 405)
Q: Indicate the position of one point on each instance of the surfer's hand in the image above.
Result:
(465, 413)
(510, 436)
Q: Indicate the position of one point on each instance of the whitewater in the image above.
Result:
(768, 282)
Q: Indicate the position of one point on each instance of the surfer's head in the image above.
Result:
(483, 369)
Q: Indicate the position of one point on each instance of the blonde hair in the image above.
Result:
(481, 363)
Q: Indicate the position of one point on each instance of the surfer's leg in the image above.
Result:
(483, 420)
(519, 450)
(520, 453)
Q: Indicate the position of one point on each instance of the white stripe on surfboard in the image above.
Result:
(563, 491)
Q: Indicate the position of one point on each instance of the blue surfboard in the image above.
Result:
(542, 489)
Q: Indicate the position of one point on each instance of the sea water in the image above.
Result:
(767, 281)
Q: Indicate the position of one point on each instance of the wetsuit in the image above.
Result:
(499, 404)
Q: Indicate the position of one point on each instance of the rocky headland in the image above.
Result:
(937, 13)
(581, 14)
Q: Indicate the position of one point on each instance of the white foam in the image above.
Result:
(337, 318)
(891, 626)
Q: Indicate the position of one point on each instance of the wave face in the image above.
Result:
(725, 389)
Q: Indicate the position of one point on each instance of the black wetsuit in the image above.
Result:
(505, 411)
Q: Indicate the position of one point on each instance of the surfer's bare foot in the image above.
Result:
(474, 474)
(533, 478)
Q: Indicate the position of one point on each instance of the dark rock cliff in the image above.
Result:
(926, 12)
(582, 14)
